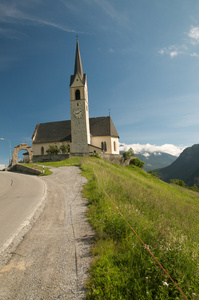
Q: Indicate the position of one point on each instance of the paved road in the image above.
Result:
(53, 258)
(20, 195)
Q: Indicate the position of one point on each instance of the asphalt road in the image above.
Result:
(52, 260)
(20, 196)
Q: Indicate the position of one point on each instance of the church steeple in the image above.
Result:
(80, 128)
(78, 70)
(78, 63)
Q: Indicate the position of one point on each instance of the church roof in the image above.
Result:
(61, 131)
(52, 132)
(102, 126)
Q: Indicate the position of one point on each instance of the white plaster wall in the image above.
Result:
(36, 148)
(96, 141)
(116, 140)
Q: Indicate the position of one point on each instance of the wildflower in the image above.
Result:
(165, 283)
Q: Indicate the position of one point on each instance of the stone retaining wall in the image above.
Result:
(23, 169)
(46, 158)
(115, 159)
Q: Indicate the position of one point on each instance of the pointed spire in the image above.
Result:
(78, 63)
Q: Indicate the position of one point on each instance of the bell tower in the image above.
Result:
(80, 130)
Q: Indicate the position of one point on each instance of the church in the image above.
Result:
(82, 135)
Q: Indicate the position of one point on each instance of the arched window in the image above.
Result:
(42, 150)
(114, 146)
(105, 147)
(77, 94)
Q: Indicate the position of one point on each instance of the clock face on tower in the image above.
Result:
(78, 113)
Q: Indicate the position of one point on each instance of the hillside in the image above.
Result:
(133, 212)
(156, 160)
(164, 216)
(185, 167)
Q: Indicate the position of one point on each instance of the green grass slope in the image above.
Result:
(166, 218)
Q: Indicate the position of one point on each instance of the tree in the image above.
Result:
(128, 154)
(52, 150)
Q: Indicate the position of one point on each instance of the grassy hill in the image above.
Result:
(165, 217)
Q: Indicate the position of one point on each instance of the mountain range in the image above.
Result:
(155, 160)
(185, 167)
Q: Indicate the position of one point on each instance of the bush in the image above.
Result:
(178, 182)
(52, 150)
(137, 162)
(95, 155)
(64, 148)
(153, 173)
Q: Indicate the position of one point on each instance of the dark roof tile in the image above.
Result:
(61, 131)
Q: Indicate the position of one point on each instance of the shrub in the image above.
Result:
(52, 150)
(137, 162)
(153, 173)
(64, 148)
(95, 155)
(178, 182)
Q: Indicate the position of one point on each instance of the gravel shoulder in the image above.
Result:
(52, 260)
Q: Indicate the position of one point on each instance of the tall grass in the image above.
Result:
(165, 217)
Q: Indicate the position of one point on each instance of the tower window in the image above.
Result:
(77, 94)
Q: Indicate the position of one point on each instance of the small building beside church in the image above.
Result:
(82, 135)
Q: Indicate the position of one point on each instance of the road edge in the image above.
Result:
(7, 249)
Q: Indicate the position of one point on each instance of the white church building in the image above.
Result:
(83, 135)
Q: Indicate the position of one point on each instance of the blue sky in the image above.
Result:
(141, 59)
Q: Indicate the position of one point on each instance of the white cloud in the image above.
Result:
(173, 50)
(166, 148)
(191, 40)
(194, 54)
(174, 53)
(194, 35)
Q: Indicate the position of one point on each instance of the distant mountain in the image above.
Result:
(155, 160)
(185, 167)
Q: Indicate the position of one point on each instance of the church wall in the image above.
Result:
(36, 148)
(114, 145)
(97, 140)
